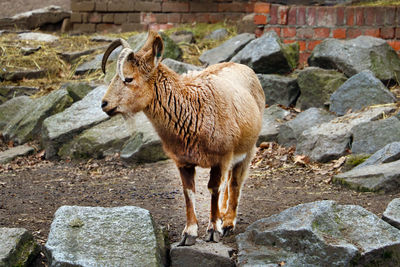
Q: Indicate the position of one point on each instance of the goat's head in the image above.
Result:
(131, 89)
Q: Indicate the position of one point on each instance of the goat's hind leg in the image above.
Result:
(189, 234)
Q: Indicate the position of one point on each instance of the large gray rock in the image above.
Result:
(332, 139)
(8, 91)
(375, 178)
(99, 141)
(227, 50)
(392, 213)
(272, 119)
(144, 145)
(316, 86)
(278, 89)
(371, 136)
(320, 233)
(17, 247)
(180, 67)
(268, 54)
(62, 127)
(11, 108)
(389, 153)
(23, 74)
(359, 91)
(201, 254)
(36, 18)
(10, 154)
(356, 55)
(27, 123)
(96, 236)
(78, 90)
(218, 34)
(290, 131)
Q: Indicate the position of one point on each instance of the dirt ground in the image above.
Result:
(32, 189)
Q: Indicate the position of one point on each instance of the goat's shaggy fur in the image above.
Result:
(210, 119)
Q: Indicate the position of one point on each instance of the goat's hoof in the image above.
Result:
(228, 230)
(187, 240)
(213, 236)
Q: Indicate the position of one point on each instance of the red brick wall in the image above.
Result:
(308, 25)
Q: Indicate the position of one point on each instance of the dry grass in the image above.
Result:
(379, 3)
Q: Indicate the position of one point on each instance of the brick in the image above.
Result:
(369, 15)
(320, 33)
(131, 27)
(232, 16)
(174, 17)
(395, 44)
(260, 19)
(273, 15)
(275, 29)
(134, 17)
(107, 18)
(85, 17)
(249, 8)
(175, 7)
(288, 32)
(216, 17)
(374, 32)
(261, 7)
(287, 41)
(349, 13)
(359, 12)
(339, 33)
(76, 17)
(390, 16)
(387, 33)
(161, 17)
(302, 45)
(203, 7)
(340, 16)
(301, 15)
(82, 5)
(292, 16)
(100, 5)
(231, 7)
(353, 32)
(397, 34)
(380, 13)
(147, 18)
(121, 18)
(305, 33)
(202, 17)
(147, 6)
(312, 44)
(188, 18)
(107, 27)
(282, 15)
(84, 27)
(120, 5)
(94, 17)
(303, 57)
(311, 16)
(326, 16)
(397, 19)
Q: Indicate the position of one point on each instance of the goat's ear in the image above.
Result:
(158, 49)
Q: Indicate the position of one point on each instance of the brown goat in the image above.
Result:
(209, 119)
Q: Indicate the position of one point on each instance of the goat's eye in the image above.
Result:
(128, 80)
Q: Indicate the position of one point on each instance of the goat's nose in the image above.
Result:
(104, 104)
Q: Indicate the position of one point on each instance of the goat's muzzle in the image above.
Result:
(106, 109)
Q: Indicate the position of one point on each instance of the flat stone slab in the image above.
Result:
(39, 37)
(97, 236)
(12, 153)
(17, 247)
(201, 254)
(392, 213)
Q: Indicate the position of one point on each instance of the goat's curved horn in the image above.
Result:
(109, 50)
(123, 56)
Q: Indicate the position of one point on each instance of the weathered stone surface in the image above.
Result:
(103, 139)
(272, 119)
(227, 50)
(11, 108)
(376, 178)
(356, 55)
(12, 153)
(268, 54)
(102, 38)
(332, 139)
(182, 37)
(278, 89)
(180, 67)
(17, 247)
(320, 233)
(71, 56)
(35, 18)
(78, 90)
(389, 153)
(392, 213)
(144, 145)
(316, 86)
(359, 91)
(291, 130)
(39, 37)
(26, 51)
(9, 91)
(201, 254)
(62, 127)
(371, 136)
(96, 236)
(22, 74)
(218, 34)
(171, 49)
(27, 124)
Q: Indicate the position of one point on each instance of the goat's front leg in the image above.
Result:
(189, 234)
(214, 230)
